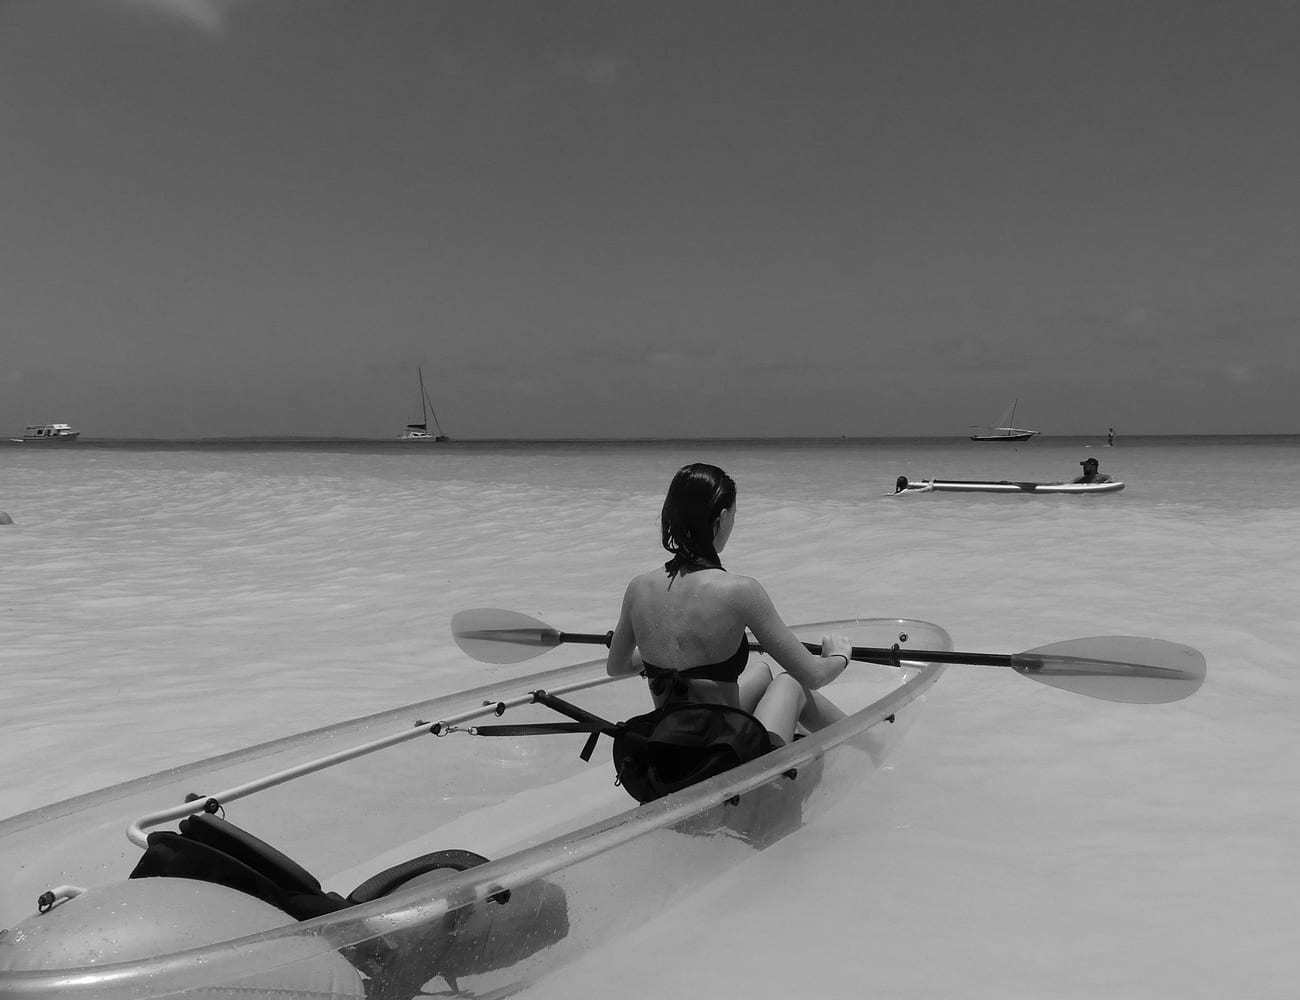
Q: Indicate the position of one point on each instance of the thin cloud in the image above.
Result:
(604, 71)
(600, 72)
(1241, 372)
(208, 16)
(972, 355)
(1139, 317)
(672, 360)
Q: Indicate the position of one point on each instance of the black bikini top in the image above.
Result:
(665, 680)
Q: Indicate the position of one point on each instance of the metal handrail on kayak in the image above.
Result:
(135, 832)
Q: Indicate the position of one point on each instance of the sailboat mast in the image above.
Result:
(437, 426)
(424, 415)
(425, 401)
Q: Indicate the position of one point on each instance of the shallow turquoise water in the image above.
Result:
(163, 603)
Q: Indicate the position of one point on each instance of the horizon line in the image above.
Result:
(333, 439)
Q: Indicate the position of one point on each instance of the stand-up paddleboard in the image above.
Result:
(905, 488)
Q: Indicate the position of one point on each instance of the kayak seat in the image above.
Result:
(212, 849)
(176, 855)
(252, 851)
(473, 939)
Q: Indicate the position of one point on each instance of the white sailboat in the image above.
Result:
(420, 431)
(1006, 429)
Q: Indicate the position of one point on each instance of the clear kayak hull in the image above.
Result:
(573, 859)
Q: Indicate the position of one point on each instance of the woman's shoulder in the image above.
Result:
(651, 576)
(736, 588)
(643, 582)
(657, 579)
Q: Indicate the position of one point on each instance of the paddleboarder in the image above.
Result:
(1091, 473)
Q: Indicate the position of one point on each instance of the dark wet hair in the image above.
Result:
(696, 496)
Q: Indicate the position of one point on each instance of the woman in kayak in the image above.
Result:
(684, 624)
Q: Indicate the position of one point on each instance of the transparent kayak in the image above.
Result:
(406, 853)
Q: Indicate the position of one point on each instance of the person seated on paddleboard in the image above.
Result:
(1090, 473)
(683, 624)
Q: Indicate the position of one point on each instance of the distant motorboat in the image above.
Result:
(420, 431)
(1006, 430)
(49, 434)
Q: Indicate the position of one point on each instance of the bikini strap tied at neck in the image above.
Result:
(683, 562)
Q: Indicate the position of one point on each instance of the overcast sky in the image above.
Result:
(652, 219)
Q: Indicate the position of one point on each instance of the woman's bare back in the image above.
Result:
(689, 620)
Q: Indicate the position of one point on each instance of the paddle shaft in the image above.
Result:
(867, 654)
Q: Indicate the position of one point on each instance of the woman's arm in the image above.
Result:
(623, 657)
(774, 635)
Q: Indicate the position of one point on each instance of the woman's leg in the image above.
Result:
(780, 706)
(819, 712)
(753, 682)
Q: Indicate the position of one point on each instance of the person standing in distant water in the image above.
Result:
(1090, 473)
(1110, 438)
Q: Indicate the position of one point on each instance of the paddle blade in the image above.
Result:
(1116, 668)
(497, 636)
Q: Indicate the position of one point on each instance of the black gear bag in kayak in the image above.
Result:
(678, 745)
(662, 751)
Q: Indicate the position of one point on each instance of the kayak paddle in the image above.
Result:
(1120, 668)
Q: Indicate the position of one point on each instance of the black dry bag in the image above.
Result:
(678, 745)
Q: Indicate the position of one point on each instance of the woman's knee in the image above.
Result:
(787, 688)
(780, 706)
(754, 682)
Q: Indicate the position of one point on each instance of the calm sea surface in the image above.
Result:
(161, 602)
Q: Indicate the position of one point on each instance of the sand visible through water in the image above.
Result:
(164, 603)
